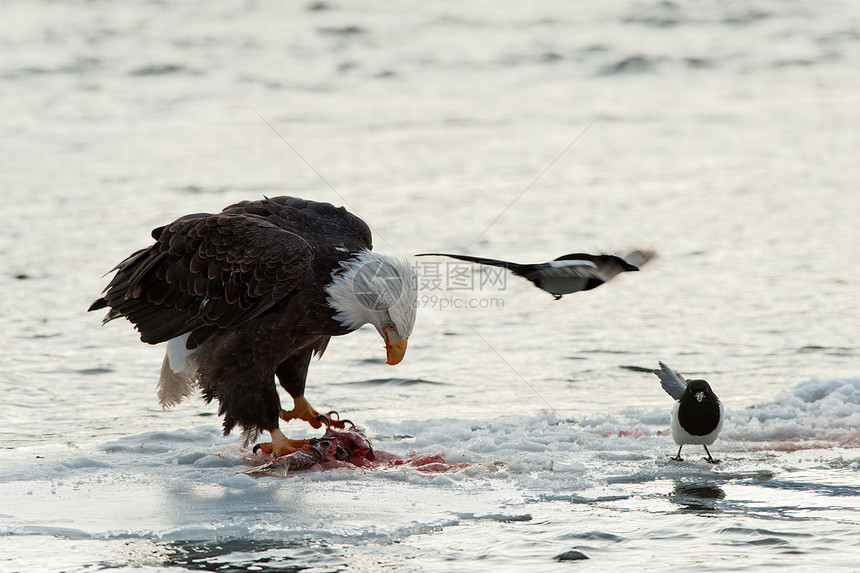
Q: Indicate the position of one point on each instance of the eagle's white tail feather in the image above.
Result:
(178, 373)
(178, 355)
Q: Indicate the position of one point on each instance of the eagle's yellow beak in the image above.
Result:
(395, 352)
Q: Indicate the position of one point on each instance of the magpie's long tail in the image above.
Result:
(513, 267)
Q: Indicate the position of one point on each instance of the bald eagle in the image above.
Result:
(250, 294)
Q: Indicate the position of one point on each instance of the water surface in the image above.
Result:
(723, 135)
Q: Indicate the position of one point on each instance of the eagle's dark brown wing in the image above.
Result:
(204, 273)
(335, 234)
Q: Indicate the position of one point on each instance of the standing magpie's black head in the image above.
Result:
(699, 391)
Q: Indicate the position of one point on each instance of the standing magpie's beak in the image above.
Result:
(700, 396)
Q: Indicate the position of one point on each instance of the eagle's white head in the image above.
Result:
(378, 289)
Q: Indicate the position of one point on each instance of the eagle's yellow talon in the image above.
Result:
(281, 445)
(302, 410)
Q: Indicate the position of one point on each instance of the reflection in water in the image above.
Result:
(240, 555)
(696, 496)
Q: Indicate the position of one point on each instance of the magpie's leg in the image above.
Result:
(710, 459)
(678, 458)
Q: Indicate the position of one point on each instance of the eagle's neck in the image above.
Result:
(369, 287)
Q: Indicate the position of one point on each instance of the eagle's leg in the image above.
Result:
(281, 445)
(292, 374)
(302, 410)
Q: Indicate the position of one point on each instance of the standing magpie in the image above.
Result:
(697, 416)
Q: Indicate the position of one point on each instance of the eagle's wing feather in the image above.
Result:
(207, 271)
(673, 383)
(335, 233)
